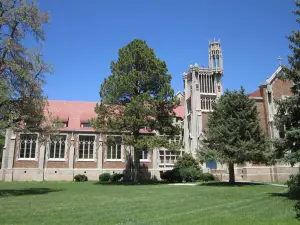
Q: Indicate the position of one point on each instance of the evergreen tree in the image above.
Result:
(233, 133)
(138, 95)
(287, 119)
(21, 69)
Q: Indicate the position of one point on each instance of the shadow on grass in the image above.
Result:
(283, 194)
(295, 199)
(227, 184)
(27, 191)
(125, 183)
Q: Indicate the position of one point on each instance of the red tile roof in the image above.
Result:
(76, 113)
(255, 94)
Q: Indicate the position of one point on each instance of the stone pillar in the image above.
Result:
(10, 157)
(42, 153)
(155, 159)
(5, 153)
(42, 156)
(100, 152)
(71, 153)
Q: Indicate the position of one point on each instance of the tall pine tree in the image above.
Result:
(233, 133)
(288, 111)
(137, 95)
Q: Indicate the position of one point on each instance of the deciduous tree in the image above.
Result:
(22, 68)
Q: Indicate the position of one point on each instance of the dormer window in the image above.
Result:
(84, 125)
(61, 124)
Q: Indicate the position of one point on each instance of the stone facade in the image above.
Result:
(76, 150)
(81, 150)
(203, 86)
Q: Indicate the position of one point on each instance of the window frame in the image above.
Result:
(142, 154)
(36, 148)
(94, 149)
(107, 146)
(66, 147)
(164, 163)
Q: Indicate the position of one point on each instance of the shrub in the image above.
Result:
(171, 176)
(104, 177)
(187, 161)
(190, 174)
(207, 177)
(116, 177)
(294, 186)
(80, 178)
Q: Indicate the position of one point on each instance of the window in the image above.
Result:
(57, 147)
(27, 146)
(168, 158)
(86, 125)
(144, 155)
(86, 147)
(60, 124)
(114, 150)
(175, 139)
(207, 103)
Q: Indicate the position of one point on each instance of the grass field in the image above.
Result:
(90, 203)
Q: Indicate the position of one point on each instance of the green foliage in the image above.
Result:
(288, 113)
(190, 174)
(171, 176)
(21, 69)
(116, 177)
(233, 133)
(80, 178)
(188, 167)
(104, 177)
(186, 161)
(207, 177)
(294, 186)
(138, 95)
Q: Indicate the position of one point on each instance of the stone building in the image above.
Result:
(78, 149)
(202, 87)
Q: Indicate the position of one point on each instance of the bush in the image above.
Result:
(80, 178)
(207, 177)
(294, 186)
(104, 177)
(187, 161)
(116, 177)
(190, 174)
(171, 176)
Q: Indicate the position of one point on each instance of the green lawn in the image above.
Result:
(88, 203)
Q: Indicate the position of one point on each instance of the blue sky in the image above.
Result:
(83, 37)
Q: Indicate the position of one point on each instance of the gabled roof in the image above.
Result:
(255, 94)
(274, 75)
(76, 113)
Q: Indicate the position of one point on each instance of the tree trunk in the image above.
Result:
(136, 171)
(231, 173)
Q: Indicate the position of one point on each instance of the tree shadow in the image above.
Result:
(282, 194)
(128, 183)
(26, 191)
(227, 184)
(288, 196)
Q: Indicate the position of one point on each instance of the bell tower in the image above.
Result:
(215, 57)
